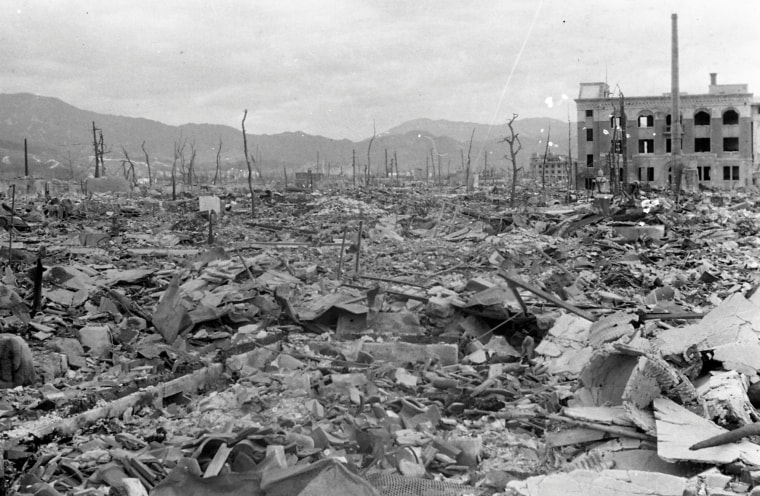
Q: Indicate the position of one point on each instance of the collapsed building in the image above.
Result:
(716, 135)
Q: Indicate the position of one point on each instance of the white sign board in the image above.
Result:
(207, 203)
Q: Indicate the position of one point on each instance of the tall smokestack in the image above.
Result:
(675, 115)
(713, 78)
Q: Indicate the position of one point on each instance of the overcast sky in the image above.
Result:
(333, 67)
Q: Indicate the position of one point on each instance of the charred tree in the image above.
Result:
(248, 163)
(469, 151)
(129, 174)
(179, 153)
(432, 163)
(191, 166)
(147, 163)
(218, 160)
(369, 149)
(513, 141)
(99, 149)
(543, 167)
(395, 161)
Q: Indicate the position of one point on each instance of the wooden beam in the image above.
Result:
(515, 280)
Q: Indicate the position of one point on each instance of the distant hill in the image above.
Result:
(59, 138)
(530, 130)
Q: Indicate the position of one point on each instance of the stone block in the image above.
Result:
(97, 339)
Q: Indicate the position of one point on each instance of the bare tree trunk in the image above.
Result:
(179, 153)
(99, 149)
(218, 162)
(543, 167)
(432, 163)
(440, 179)
(369, 149)
(395, 161)
(248, 163)
(96, 149)
(469, 150)
(191, 166)
(102, 153)
(147, 162)
(131, 168)
(512, 157)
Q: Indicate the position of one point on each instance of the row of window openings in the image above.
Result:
(701, 118)
(647, 174)
(701, 145)
(730, 173)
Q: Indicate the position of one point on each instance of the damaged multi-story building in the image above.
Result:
(552, 168)
(717, 135)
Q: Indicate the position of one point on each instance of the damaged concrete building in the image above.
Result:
(716, 131)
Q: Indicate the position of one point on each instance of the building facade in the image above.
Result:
(716, 133)
(552, 168)
(756, 135)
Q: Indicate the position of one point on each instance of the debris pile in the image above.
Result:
(383, 341)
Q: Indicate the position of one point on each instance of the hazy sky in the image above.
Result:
(333, 67)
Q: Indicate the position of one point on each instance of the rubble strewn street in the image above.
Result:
(387, 340)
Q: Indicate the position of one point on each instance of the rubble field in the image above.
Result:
(380, 341)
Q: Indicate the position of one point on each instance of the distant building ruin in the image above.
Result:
(553, 168)
(308, 179)
(716, 132)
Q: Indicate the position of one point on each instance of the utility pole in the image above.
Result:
(440, 179)
(612, 159)
(432, 163)
(353, 166)
(543, 168)
(571, 175)
(624, 141)
(675, 116)
(395, 161)
(97, 153)
(26, 160)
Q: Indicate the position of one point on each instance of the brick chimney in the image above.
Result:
(713, 78)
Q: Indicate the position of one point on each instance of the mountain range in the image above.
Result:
(60, 143)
